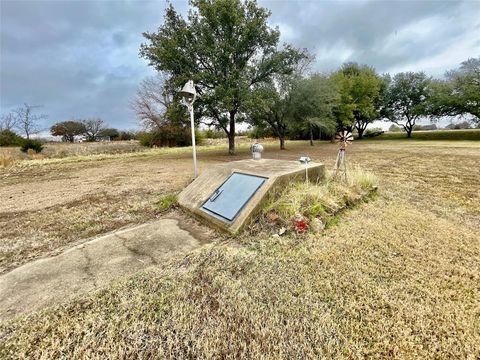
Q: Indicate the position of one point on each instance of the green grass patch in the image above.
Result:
(167, 202)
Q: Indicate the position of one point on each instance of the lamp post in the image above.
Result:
(189, 95)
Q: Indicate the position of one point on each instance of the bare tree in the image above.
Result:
(93, 127)
(8, 122)
(26, 121)
(152, 101)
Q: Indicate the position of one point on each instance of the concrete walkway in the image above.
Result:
(94, 264)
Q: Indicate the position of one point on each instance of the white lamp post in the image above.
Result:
(189, 95)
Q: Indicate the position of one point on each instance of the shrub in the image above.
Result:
(461, 125)
(258, 132)
(395, 128)
(169, 136)
(214, 134)
(369, 133)
(127, 135)
(425, 127)
(9, 138)
(32, 144)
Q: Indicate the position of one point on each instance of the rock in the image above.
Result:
(317, 225)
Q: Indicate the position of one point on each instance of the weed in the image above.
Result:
(167, 202)
(321, 200)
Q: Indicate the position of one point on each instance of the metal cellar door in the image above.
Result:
(231, 197)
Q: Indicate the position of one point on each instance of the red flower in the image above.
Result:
(300, 225)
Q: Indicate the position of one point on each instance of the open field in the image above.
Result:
(469, 134)
(396, 277)
(62, 150)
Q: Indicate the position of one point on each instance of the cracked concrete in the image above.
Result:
(94, 264)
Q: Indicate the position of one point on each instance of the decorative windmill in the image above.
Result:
(343, 138)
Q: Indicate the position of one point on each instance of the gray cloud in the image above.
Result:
(80, 58)
(389, 35)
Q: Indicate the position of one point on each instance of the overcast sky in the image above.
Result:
(80, 58)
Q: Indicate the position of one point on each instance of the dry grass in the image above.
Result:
(6, 161)
(62, 150)
(314, 204)
(396, 277)
(32, 234)
(91, 151)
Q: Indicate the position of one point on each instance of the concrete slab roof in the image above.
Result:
(277, 173)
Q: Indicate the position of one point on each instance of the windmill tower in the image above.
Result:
(343, 138)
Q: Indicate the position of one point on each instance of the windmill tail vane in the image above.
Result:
(343, 138)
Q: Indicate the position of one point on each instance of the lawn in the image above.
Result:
(395, 277)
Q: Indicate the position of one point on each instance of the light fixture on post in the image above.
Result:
(189, 95)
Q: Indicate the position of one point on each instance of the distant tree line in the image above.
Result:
(242, 75)
(89, 129)
(23, 120)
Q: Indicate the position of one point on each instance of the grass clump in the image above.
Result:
(167, 202)
(303, 206)
(6, 161)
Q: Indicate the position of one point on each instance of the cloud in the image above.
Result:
(80, 58)
(389, 35)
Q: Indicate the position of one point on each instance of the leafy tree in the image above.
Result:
(459, 94)
(361, 90)
(271, 109)
(93, 127)
(313, 103)
(26, 121)
(227, 48)
(406, 99)
(112, 133)
(68, 130)
(127, 135)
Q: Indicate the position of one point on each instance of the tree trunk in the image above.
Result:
(311, 135)
(409, 128)
(361, 126)
(231, 134)
(282, 142)
(360, 132)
